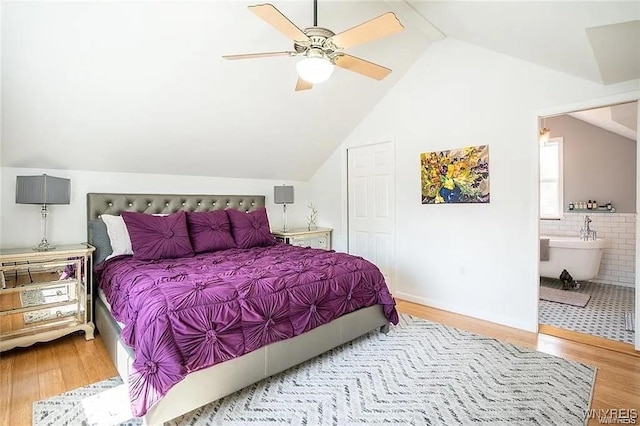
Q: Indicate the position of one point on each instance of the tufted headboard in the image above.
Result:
(99, 203)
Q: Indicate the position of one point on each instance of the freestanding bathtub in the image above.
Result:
(581, 258)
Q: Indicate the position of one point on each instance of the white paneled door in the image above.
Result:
(371, 177)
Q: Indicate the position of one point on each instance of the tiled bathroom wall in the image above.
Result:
(618, 262)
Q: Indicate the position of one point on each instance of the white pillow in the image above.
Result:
(118, 234)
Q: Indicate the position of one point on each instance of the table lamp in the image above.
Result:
(283, 195)
(43, 190)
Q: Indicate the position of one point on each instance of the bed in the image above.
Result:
(359, 305)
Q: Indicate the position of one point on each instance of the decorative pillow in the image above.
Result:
(210, 231)
(251, 229)
(100, 240)
(118, 235)
(158, 237)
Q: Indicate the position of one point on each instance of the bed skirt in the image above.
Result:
(210, 384)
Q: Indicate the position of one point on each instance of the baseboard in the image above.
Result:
(600, 342)
(482, 315)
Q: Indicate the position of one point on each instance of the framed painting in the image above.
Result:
(455, 176)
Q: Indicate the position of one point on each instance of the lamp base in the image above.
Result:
(44, 243)
(44, 246)
(284, 218)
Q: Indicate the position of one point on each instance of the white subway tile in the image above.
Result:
(619, 229)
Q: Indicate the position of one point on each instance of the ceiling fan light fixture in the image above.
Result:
(314, 70)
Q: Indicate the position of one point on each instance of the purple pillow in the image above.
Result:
(210, 231)
(158, 237)
(251, 229)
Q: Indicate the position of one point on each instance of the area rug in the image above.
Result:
(48, 295)
(629, 321)
(420, 373)
(564, 296)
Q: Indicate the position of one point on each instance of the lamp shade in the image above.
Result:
(314, 70)
(283, 194)
(42, 189)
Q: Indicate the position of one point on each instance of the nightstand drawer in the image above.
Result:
(317, 238)
(313, 242)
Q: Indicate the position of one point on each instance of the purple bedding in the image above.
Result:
(186, 314)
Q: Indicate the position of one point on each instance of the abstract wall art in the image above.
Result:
(455, 176)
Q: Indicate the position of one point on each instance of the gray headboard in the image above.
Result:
(99, 203)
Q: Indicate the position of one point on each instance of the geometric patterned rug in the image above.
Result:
(603, 316)
(420, 373)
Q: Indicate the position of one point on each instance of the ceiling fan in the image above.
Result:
(321, 48)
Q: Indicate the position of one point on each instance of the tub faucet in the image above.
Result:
(586, 233)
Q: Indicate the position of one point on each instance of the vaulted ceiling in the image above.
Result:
(593, 40)
(142, 87)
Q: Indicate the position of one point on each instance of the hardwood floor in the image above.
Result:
(47, 369)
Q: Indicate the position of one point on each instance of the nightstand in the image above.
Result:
(319, 238)
(44, 294)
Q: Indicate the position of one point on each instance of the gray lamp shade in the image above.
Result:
(42, 189)
(283, 194)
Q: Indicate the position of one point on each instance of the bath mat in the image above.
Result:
(629, 321)
(564, 296)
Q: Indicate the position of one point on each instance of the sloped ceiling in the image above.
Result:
(552, 33)
(621, 119)
(141, 87)
(618, 61)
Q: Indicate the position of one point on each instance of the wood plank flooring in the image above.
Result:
(47, 369)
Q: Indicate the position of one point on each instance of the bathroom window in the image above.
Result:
(551, 179)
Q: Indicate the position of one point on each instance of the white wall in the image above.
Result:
(595, 161)
(474, 259)
(637, 345)
(20, 226)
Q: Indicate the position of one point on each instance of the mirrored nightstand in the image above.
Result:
(318, 238)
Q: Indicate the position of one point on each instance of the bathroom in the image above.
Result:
(588, 192)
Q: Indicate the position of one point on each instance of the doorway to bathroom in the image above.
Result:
(588, 221)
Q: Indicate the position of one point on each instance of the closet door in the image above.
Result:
(371, 184)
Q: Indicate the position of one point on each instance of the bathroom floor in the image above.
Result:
(603, 316)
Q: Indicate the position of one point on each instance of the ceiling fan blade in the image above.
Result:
(303, 85)
(275, 18)
(257, 55)
(361, 66)
(382, 26)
